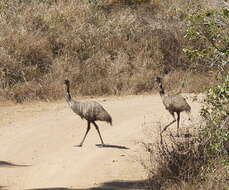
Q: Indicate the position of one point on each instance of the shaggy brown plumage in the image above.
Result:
(174, 104)
(90, 110)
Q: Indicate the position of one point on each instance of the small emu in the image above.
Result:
(90, 110)
(173, 103)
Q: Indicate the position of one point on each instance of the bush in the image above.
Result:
(192, 163)
(216, 112)
(208, 34)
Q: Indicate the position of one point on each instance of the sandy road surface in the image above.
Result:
(38, 144)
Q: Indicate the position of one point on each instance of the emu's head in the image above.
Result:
(66, 82)
(158, 79)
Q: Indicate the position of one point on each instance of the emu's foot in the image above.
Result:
(161, 133)
(187, 135)
(100, 145)
(80, 145)
(177, 135)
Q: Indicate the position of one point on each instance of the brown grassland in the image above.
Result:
(111, 47)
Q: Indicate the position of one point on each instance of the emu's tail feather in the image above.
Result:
(109, 120)
(105, 117)
(188, 111)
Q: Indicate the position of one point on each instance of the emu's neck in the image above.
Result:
(162, 91)
(68, 95)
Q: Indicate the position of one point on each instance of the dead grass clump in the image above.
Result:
(216, 179)
(176, 162)
(189, 163)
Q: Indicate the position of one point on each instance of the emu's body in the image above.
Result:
(90, 110)
(174, 104)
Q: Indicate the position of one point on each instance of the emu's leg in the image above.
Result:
(178, 120)
(174, 119)
(88, 129)
(189, 115)
(97, 128)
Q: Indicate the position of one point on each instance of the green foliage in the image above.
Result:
(217, 102)
(209, 36)
(215, 111)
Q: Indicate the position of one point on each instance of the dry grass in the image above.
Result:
(189, 163)
(216, 179)
(104, 47)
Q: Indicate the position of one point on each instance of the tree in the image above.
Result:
(207, 31)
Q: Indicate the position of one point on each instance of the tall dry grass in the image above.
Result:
(103, 47)
(187, 164)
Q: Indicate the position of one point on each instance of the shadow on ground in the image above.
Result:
(10, 164)
(113, 185)
(107, 146)
(111, 146)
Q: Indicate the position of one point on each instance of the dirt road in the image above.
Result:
(38, 144)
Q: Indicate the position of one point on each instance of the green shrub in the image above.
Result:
(209, 37)
(216, 113)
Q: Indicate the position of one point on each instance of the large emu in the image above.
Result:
(90, 110)
(173, 103)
